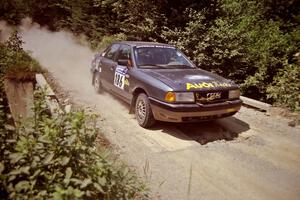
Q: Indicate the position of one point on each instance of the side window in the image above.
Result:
(112, 51)
(125, 53)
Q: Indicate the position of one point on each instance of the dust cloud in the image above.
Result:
(5, 31)
(58, 49)
(50, 48)
(55, 51)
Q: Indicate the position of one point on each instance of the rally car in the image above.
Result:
(161, 83)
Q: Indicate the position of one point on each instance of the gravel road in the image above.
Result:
(248, 156)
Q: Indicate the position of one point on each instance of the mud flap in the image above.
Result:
(131, 109)
(132, 104)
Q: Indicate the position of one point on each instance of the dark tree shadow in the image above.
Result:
(204, 132)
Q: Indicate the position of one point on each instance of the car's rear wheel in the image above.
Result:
(97, 82)
(143, 111)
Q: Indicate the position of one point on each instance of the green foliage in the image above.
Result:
(56, 158)
(140, 20)
(14, 61)
(107, 40)
(286, 86)
(13, 11)
(190, 35)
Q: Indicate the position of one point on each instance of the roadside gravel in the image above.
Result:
(248, 156)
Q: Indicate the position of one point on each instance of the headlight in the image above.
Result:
(180, 97)
(234, 94)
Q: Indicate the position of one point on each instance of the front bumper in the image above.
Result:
(163, 111)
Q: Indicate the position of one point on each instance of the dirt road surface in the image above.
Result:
(248, 156)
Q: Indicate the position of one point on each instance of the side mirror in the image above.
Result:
(125, 62)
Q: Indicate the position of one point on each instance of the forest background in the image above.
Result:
(256, 43)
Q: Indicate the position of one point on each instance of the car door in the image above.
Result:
(122, 72)
(108, 65)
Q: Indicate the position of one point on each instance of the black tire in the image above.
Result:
(97, 83)
(143, 112)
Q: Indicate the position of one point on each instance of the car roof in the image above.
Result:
(142, 43)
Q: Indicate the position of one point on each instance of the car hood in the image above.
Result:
(190, 79)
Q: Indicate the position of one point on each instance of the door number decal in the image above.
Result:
(119, 79)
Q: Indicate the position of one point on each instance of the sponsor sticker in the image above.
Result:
(229, 110)
(206, 85)
(156, 46)
(126, 82)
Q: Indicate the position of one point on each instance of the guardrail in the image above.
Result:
(256, 104)
(50, 97)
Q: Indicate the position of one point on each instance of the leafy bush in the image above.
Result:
(16, 63)
(140, 20)
(56, 158)
(286, 87)
(107, 40)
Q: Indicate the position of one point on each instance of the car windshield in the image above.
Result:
(160, 57)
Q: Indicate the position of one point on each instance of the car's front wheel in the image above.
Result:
(97, 82)
(143, 111)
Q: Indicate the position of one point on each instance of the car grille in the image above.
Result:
(207, 97)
